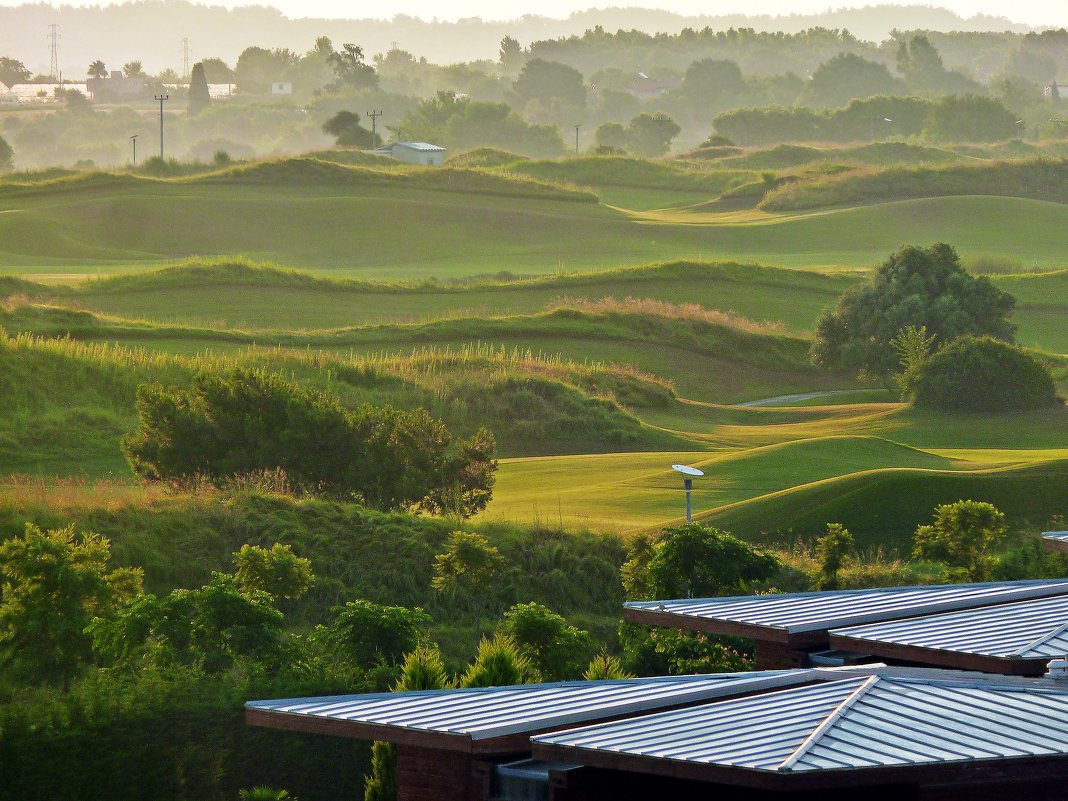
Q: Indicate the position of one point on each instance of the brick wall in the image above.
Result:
(778, 656)
(426, 774)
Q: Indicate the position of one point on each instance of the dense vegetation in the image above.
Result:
(318, 440)
(251, 422)
(919, 287)
(980, 374)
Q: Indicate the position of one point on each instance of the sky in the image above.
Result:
(1031, 12)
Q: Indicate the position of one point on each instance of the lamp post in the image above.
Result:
(577, 138)
(162, 99)
(133, 139)
(689, 473)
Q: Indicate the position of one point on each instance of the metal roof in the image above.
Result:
(802, 612)
(490, 712)
(875, 722)
(421, 146)
(1036, 629)
(1055, 536)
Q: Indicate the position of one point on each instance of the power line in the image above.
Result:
(374, 115)
(53, 48)
(185, 57)
(162, 99)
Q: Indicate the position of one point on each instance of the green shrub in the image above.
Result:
(249, 421)
(922, 287)
(980, 374)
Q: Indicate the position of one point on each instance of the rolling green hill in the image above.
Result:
(241, 295)
(449, 223)
(701, 355)
(882, 508)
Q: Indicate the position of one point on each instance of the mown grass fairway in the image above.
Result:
(498, 297)
(362, 222)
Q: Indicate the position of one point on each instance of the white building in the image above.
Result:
(423, 153)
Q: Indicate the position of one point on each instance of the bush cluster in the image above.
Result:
(981, 374)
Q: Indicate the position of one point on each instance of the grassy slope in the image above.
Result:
(1045, 179)
(65, 405)
(883, 507)
(704, 360)
(628, 491)
(455, 223)
(240, 296)
(767, 452)
(1041, 308)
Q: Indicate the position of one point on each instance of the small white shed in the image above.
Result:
(422, 153)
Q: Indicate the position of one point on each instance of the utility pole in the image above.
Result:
(374, 115)
(576, 137)
(162, 99)
(185, 57)
(134, 140)
(53, 48)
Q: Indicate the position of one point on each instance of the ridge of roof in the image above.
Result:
(863, 686)
(1033, 647)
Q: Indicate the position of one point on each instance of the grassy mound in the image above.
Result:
(706, 354)
(354, 156)
(318, 173)
(1044, 179)
(874, 154)
(65, 404)
(196, 293)
(625, 171)
(484, 157)
(883, 507)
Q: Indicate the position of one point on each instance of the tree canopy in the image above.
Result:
(13, 71)
(52, 584)
(247, 422)
(915, 286)
(847, 77)
(692, 560)
(962, 534)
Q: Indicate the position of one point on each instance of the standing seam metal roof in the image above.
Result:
(1035, 629)
(817, 611)
(425, 147)
(499, 711)
(879, 721)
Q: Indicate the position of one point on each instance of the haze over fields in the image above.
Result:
(153, 31)
(342, 356)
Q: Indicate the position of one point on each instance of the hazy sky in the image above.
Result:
(1032, 12)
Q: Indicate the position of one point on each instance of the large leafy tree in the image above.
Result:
(559, 651)
(971, 118)
(7, 155)
(248, 421)
(351, 69)
(651, 134)
(962, 534)
(368, 633)
(546, 81)
(979, 374)
(13, 71)
(692, 560)
(916, 286)
(52, 585)
(214, 627)
(345, 127)
(199, 96)
(848, 76)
